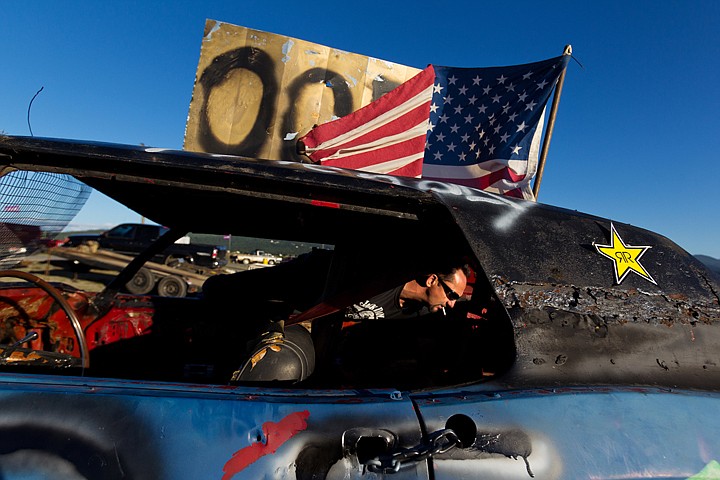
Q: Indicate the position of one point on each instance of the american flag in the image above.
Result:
(483, 131)
(486, 123)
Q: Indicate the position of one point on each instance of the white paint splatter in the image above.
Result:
(290, 135)
(213, 30)
(287, 46)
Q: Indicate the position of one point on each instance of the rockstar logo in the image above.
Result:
(625, 257)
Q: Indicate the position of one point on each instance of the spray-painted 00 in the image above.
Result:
(581, 347)
(256, 92)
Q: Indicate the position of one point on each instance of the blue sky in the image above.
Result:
(634, 133)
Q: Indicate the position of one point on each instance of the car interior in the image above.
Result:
(207, 337)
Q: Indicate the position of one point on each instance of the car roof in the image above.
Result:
(514, 239)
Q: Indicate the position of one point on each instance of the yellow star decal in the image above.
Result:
(626, 258)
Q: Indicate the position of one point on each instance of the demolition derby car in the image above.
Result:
(582, 347)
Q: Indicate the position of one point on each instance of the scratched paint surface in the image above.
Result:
(158, 431)
(116, 429)
(600, 434)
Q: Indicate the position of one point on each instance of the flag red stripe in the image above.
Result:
(484, 181)
(413, 169)
(479, 184)
(515, 192)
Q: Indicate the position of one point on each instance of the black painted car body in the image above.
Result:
(567, 314)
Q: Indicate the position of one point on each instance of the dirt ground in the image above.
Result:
(55, 269)
(60, 270)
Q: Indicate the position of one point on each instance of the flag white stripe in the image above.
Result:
(533, 160)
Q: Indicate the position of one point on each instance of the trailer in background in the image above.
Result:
(167, 281)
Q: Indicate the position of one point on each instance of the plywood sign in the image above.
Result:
(256, 92)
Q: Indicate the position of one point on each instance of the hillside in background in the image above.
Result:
(712, 263)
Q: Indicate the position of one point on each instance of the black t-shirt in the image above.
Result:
(385, 305)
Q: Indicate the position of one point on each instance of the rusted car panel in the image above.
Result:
(585, 347)
(575, 319)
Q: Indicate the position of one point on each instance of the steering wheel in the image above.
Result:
(64, 305)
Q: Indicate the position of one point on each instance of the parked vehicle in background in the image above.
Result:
(257, 256)
(133, 238)
(162, 280)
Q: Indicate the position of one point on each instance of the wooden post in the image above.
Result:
(549, 129)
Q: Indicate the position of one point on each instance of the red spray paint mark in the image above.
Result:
(275, 433)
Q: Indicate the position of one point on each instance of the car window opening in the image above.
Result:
(297, 300)
(207, 338)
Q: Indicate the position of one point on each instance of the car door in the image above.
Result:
(591, 432)
(73, 427)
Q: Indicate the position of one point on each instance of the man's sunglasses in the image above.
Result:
(451, 294)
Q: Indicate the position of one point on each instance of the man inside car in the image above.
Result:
(276, 300)
(431, 293)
